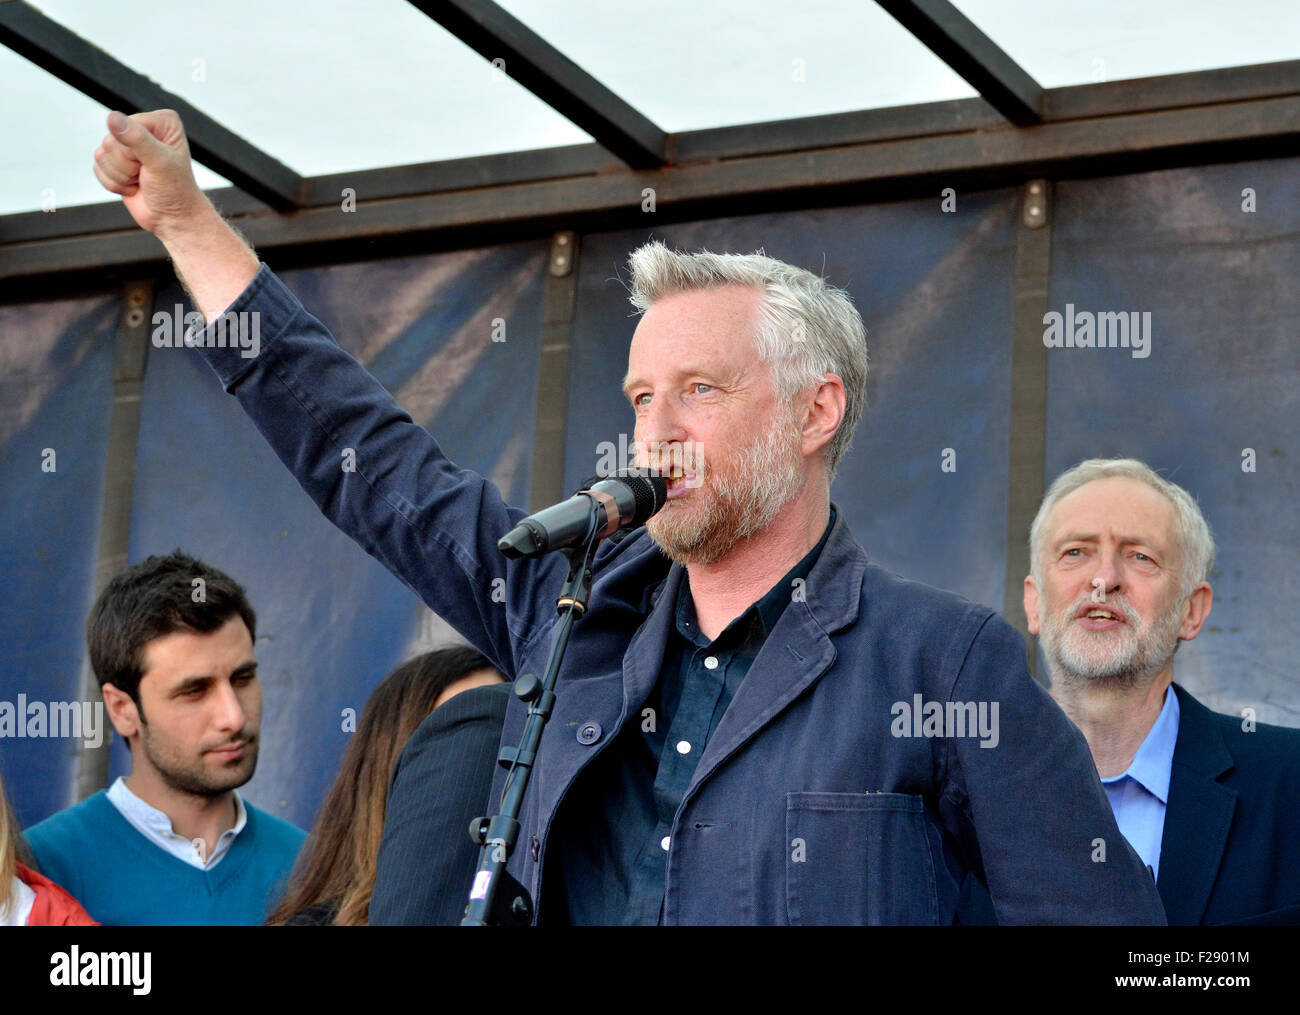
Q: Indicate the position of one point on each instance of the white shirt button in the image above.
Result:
(683, 747)
(711, 663)
(665, 842)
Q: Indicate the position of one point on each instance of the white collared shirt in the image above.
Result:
(155, 826)
(20, 904)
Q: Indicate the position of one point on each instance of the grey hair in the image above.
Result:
(806, 327)
(1191, 532)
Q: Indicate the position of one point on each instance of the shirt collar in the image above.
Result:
(1154, 760)
(150, 818)
(21, 900)
(768, 609)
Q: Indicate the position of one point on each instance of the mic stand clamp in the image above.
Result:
(497, 898)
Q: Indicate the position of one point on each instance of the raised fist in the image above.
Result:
(146, 159)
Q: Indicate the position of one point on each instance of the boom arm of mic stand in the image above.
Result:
(496, 897)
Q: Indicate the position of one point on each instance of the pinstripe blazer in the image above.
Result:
(439, 785)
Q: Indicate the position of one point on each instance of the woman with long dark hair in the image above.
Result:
(335, 874)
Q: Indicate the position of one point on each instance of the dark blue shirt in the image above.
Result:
(610, 841)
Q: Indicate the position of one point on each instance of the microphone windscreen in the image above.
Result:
(649, 490)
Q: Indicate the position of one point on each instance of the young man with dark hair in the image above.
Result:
(171, 644)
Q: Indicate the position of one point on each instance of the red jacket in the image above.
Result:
(53, 906)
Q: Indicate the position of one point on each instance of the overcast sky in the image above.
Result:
(336, 85)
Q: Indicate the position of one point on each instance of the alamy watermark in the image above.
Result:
(75, 968)
(232, 330)
(677, 458)
(1103, 330)
(920, 718)
(83, 720)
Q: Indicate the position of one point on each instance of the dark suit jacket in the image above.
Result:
(1230, 853)
(1231, 846)
(439, 785)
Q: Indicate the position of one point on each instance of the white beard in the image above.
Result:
(1123, 657)
(729, 507)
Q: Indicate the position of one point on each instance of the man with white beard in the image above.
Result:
(722, 746)
(1120, 558)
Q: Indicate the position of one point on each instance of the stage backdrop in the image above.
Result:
(56, 387)
(925, 488)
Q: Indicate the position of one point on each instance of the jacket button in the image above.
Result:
(534, 848)
(589, 733)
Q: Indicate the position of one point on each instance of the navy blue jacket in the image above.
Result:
(1230, 852)
(805, 807)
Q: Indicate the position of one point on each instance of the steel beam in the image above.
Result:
(955, 40)
(1027, 453)
(973, 153)
(91, 71)
(931, 119)
(529, 59)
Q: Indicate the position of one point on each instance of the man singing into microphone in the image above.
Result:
(753, 724)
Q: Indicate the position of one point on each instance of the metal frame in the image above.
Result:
(1027, 447)
(955, 40)
(872, 155)
(93, 72)
(550, 75)
(129, 365)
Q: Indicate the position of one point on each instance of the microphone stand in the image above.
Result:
(496, 897)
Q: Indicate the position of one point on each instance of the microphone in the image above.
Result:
(625, 500)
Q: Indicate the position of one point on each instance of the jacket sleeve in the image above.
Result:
(1051, 851)
(439, 785)
(51, 859)
(53, 907)
(432, 524)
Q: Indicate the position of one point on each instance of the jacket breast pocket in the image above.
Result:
(858, 858)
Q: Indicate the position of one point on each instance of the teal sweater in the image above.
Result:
(122, 878)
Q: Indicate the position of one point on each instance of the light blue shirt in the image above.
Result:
(1138, 796)
(155, 826)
